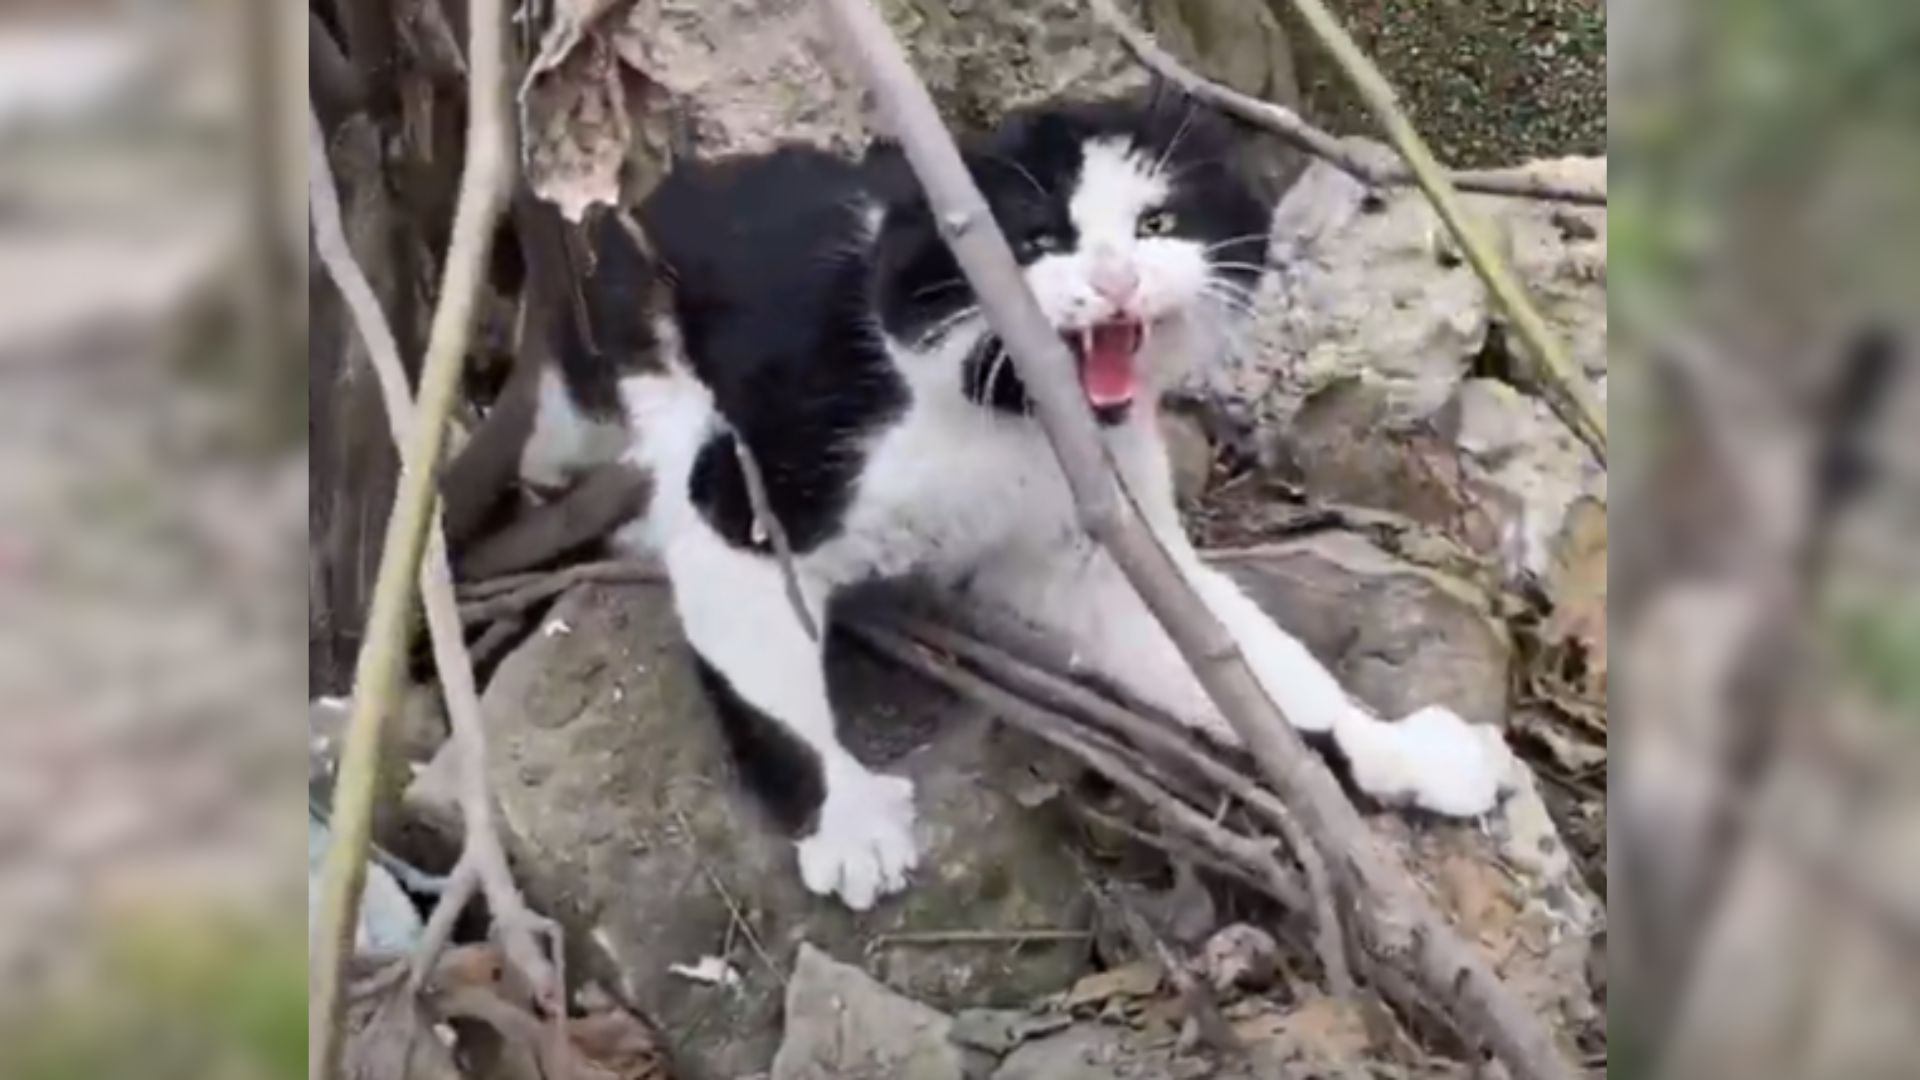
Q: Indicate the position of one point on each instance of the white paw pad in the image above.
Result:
(1432, 759)
(864, 847)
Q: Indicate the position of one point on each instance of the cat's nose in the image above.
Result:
(1115, 282)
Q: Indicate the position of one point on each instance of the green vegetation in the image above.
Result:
(193, 997)
(1487, 82)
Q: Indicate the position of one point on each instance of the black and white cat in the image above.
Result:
(817, 315)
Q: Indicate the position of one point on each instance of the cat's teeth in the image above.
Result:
(1086, 342)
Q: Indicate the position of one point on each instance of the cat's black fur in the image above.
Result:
(781, 285)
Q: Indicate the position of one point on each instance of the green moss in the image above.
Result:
(1488, 82)
(193, 995)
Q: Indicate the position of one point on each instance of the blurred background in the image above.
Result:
(152, 493)
(1764, 806)
(1764, 813)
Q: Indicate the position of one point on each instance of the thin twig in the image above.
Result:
(483, 857)
(1057, 730)
(1147, 940)
(1023, 676)
(412, 531)
(767, 521)
(734, 911)
(936, 938)
(462, 884)
(1181, 847)
(603, 500)
(530, 589)
(1394, 917)
(1561, 381)
(626, 569)
(1289, 125)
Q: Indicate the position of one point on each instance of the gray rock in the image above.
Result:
(1081, 1052)
(736, 75)
(843, 1025)
(1190, 453)
(629, 825)
(1524, 467)
(1368, 373)
(1399, 636)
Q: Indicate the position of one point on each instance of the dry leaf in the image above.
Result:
(576, 129)
(390, 1037)
(1327, 1033)
(1239, 956)
(1577, 582)
(611, 1043)
(472, 984)
(1138, 979)
(571, 21)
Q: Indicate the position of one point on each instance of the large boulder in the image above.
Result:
(628, 823)
(841, 1024)
(610, 108)
(1378, 374)
(1399, 636)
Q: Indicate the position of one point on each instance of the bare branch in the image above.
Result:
(1061, 691)
(412, 530)
(1253, 855)
(1289, 125)
(768, 522)
(1395, 918)
(1198, 998)
(484, 858)
(518, 592)
(1560, 380)
(606, 498)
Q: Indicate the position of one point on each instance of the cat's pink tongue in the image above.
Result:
(1106, 363)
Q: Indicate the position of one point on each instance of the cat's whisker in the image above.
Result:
(1236, 241)
(946, 326)
(1024, 174)
(1237, 304)
(939, 287)
(1174, 142)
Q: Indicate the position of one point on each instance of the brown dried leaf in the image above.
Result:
(1577, 583)
(571, 21)
(576, 128)
(390, 1037)
(1324, 1033)
(614, 1044)
(1135, 980)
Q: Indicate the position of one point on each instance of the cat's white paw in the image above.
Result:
(864, 847)
(1431, 759)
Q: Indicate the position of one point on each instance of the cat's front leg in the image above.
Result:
(1431, 758)
(764, 672)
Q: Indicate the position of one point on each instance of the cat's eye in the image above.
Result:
(1156, 223)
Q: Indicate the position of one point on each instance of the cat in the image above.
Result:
(817, 316)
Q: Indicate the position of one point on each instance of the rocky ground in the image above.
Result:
(1375, 471)
(1373, 461)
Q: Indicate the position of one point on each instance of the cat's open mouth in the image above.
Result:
(1106, 352)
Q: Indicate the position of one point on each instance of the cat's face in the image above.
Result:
(1137, 234)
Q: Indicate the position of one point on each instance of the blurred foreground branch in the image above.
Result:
(483, 860)
(1395, 918)
(483, 188)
